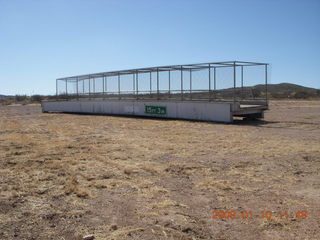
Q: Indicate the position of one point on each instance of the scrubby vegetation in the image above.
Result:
(64, 176)
(275, 91)
(24, 99)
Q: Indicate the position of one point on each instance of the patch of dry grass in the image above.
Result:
(65, 176)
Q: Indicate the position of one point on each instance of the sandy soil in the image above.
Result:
(64, 176)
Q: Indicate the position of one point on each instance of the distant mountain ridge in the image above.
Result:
(287, 90)
(280, 90)
(285, 87)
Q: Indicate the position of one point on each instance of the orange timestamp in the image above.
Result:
(249, 214)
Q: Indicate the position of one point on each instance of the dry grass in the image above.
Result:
(65, 176)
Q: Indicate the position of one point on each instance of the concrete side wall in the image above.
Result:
(206, 111)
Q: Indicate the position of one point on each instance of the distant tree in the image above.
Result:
(36, 98)
(301, 94)
(280, 95)
(256, 93)
(21, 98)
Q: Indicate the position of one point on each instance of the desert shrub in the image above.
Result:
(7, 100)
(36, 98)
(256, 93)
(51, 97)
(301, 94)
(280, 95)
(21, 98)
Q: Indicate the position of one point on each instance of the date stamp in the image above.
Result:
(250, 214)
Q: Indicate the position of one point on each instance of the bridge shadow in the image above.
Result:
(238, 121)
(255, 122)
(271, 124)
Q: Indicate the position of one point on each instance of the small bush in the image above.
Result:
(302, 95)
(21, 98)
(36, 98)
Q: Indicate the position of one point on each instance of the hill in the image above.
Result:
(289, 90)
(286, 87)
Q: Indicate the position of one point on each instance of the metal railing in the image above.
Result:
(220, 81)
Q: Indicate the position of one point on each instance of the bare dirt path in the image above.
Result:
(63, 176)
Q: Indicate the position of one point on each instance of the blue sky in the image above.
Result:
(41, 40)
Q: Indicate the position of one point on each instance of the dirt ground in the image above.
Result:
(64, 176)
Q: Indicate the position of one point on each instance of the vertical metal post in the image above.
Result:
(137, 82)
(66, 87)
(169, 82)
(209, 82)
(214, 82)
(150, 82)
(89, 87)
(157, 83)
(94, 87)
(181, 82)
(133, 83)
(83, 81)
(234, 82)
(214, 79)
(103, 86)
(190, 83)
(57, 88)
(106, 84)
(78, 88)
(266, 80)
(242, 82)
(119, 86)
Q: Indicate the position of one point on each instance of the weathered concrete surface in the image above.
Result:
(204, 111)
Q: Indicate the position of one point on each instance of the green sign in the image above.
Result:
(158, 110)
